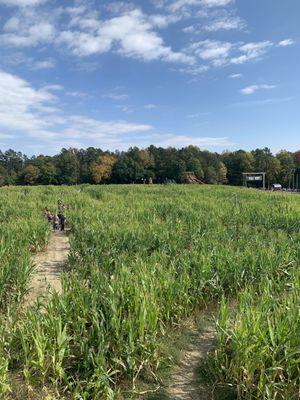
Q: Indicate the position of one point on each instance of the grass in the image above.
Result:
(142, 260)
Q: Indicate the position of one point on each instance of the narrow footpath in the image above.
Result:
(185, 383)
(48, 267)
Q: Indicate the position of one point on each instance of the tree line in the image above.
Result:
(95, 166)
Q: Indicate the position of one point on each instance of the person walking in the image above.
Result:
(62, 220)
(55, 222)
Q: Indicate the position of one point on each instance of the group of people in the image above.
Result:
(57, 220)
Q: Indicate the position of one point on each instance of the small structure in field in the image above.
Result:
(254, 179)
(276, 187)
(190, 178)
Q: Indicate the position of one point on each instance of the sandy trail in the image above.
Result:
(49, 263)
(185, 383)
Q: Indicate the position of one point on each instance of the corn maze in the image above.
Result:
(142, 259)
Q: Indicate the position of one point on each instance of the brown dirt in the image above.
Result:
(48, 267)
(184, 381)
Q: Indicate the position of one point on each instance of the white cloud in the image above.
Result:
(53, 87)
(28, 28)
(251, 51)
(235, 76)
(219, 53)
(178, 5)
(6, 136)
(190, 29)
(150, 106)
(214, 51)
(197, 115)
(34, 112)
(119, 7)
(116, 96)
(166, 140)
(19, 58)
(22, 3)
(264, 102)
(226, 23)
(131, 34)
(21, 105)
(76, 93)
(43, 64)
(86, 127)
(163, 20)
(194, 70)
(216, 3)
(286, 42)
(124, 108)
(254, 88)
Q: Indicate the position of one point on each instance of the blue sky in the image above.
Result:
(219, 74)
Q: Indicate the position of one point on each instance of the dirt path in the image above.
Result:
(185, 383)
(49, 263)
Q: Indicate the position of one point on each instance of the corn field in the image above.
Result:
(142, 259)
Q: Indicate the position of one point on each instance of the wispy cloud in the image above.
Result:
(166, 140)
(263, 102)
(197, 115)
(6, 136)
(235, 76)
(225, 23)
(178, 5)
(116, 96)
(254, 88)
(27, 28)
(36, 113)
(124, 108)
(218, 53)
(19, 58)
(132, 33)
(77, 93)
(43, 64)
(286, 42)
(22, 3)
(150, 106)
(251, 51)
(213, 51)
(54, 86)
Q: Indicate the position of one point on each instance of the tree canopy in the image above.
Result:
(72, 166)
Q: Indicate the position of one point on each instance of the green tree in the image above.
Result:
(222, 173)
(13, 163)
(266, 162)
(67, 166)
(211, 175)
(127, 170)
(30, 174)
(3, 175)
(287, 166)
(86, 157)
(236, 163)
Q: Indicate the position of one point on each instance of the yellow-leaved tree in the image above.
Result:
(102, 168)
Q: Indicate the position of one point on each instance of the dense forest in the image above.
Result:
(92, 165)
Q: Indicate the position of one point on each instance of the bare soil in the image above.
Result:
(48, 267)
(184, 381)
